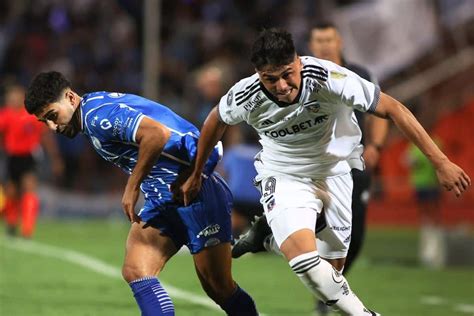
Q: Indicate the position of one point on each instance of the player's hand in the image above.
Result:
(175, 187)
(371, 156)
(129, 200)
(453, 178)
(187, 190)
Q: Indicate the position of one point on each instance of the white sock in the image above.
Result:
(327, 284)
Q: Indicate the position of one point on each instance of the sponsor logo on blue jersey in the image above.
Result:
(209, 230)
(105, 124)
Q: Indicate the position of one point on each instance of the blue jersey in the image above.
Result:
(111, 120)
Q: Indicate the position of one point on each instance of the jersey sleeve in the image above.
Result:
(114, 122)
(353, 90)
(230, 110)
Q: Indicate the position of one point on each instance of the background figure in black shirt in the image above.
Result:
(325, 42)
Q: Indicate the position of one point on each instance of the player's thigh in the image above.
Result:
(334, 240)
(146, 251)
(290, 205)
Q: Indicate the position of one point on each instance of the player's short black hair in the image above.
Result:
(273, 47)
(45, 88)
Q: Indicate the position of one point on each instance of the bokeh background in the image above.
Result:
(187, 53)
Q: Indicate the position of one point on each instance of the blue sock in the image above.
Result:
(152, 297)
(240, 304)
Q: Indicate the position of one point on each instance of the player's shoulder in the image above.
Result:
(244, 89)
(100, 97)
(96, 107)
(246, 84)
(104, 100)
(315, 68)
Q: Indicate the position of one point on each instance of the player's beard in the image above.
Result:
(74, 126)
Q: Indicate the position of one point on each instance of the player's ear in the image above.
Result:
(70, 96)
(298, 63)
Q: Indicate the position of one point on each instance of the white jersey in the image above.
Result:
(316, 137)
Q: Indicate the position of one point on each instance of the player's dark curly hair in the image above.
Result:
(45, 88)
(273, 47)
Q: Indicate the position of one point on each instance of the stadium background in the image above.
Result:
(422, 52)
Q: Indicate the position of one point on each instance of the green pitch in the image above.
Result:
(73, 268)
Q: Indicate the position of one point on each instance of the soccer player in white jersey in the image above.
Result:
(302, 108)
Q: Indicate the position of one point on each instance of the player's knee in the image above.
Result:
(338, 264)
(133, 272)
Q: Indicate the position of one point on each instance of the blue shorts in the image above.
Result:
(204, 223)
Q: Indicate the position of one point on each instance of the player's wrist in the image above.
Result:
(378, 147)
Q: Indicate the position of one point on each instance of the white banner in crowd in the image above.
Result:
(455, 12)
(387, 35)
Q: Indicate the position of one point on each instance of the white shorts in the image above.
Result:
(292, 204)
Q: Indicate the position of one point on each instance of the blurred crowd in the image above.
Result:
(98, 45)
(204, 47)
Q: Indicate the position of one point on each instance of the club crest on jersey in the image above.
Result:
(230, 97)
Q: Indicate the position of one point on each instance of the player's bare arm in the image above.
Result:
(450, 176)
(212, 131)
(151, 137)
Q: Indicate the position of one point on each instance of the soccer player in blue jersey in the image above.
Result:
(154, 146)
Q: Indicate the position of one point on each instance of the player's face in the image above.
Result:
(326, 44)
(283, 82)
(58, 115)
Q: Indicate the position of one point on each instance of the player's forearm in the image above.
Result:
(150, 148)
(378, 129)
(212, 131)
(413, 130)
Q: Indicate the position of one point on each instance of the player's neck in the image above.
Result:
(77, 118)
